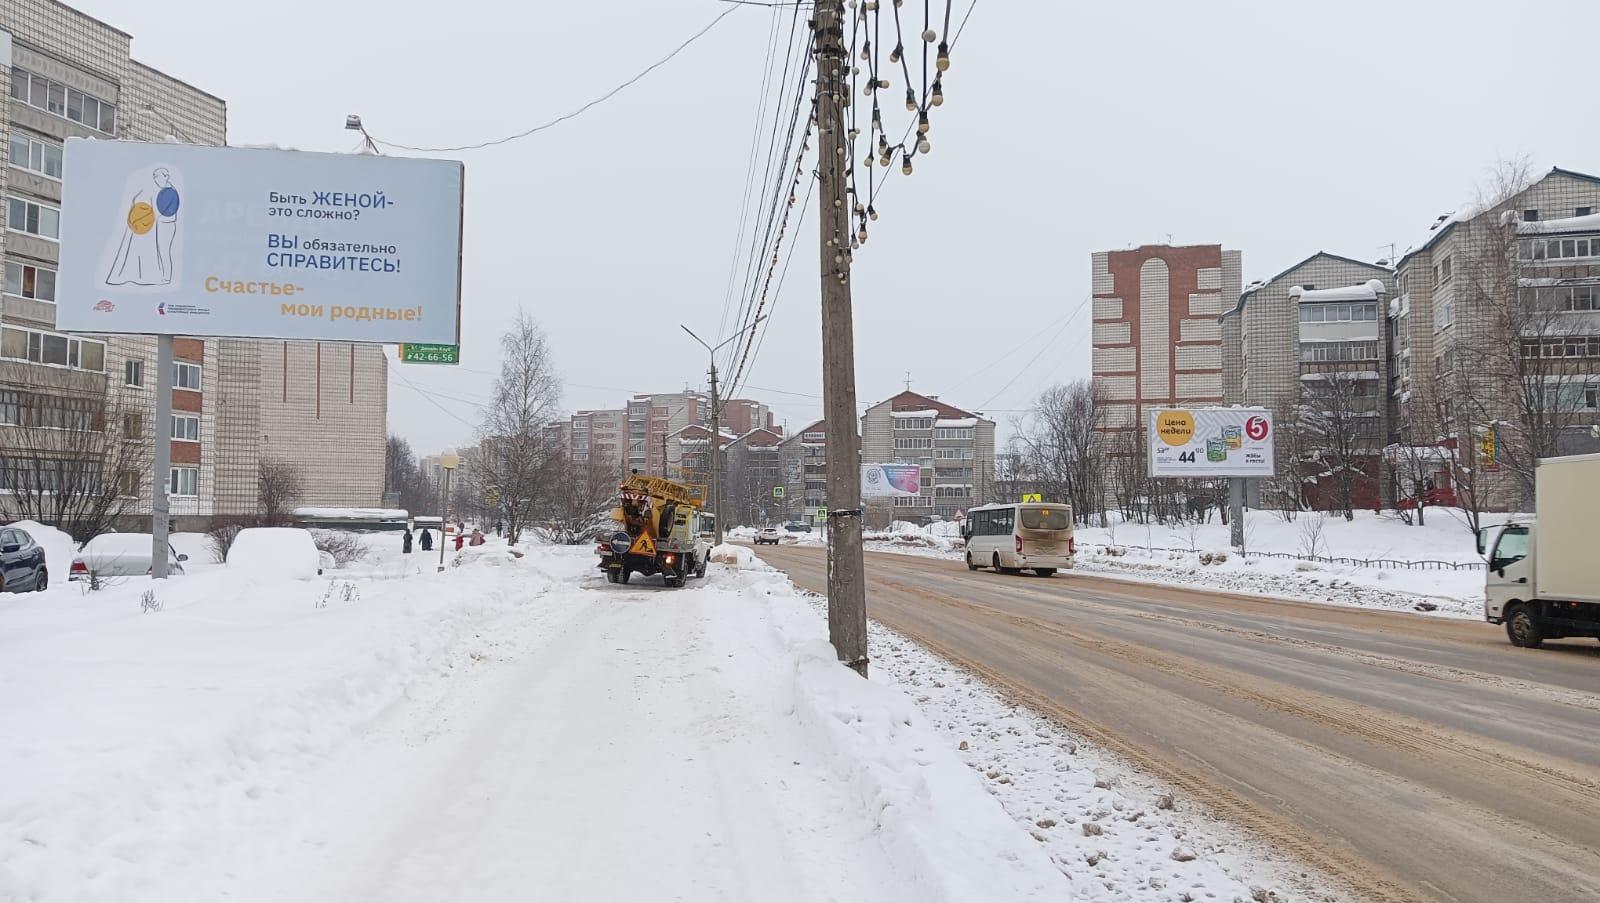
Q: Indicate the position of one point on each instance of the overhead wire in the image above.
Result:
(1063, 328)
(580, 110)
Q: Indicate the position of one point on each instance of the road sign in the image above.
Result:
(1032, 497)
(777, 492)
(821, 515)
(415, 353)
(491, 497)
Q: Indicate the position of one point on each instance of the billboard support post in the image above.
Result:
(161, 467)
(1236, 513)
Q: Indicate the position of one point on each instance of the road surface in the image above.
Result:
(1406, 757)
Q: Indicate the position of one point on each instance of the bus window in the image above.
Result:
(1044, 518)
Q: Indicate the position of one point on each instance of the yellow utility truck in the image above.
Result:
(659, 530)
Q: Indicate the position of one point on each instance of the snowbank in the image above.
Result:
(280, 551)
(934, 817)
(734, 556)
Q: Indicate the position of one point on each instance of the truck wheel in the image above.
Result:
(623, 575)
(970, 565)
(700, 568)
(1522, 628)
(611, 576)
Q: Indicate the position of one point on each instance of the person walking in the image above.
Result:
(461, 539)
(405, 542)
(426, 539)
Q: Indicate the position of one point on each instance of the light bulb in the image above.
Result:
(911, 101)
(861, 235)
(905, 167)
(943, 61)
(929, 36)
(884, 160)
(922, 123)
(872, 213)
(898, 51)
(923, 146)
(938, 94)
(838, 259)
(883, 83)
(868, 161)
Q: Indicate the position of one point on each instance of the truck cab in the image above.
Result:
(1509, 550)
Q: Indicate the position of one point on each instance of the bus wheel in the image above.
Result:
(970, 565)
(1045, 572)
(1522, 629)
(996, 563)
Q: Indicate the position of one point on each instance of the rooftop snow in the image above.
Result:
(351, 513)
(1365, 291)
(957, 421)
(1590, 223)
(931, 412)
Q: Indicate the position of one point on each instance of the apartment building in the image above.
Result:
(651, 418)
(1156, 338)
(321, 407)
(804, 459)
(597, 439)
(741, 415)
(1523, 272)
(755, 471)
(955, 448)
(1309, 344)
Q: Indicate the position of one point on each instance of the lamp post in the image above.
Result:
(448, 460)
(716, 419)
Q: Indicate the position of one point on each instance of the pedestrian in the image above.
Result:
(477, 537)
(405, 542)
(460, 539)
(426, 539)
(499, 527)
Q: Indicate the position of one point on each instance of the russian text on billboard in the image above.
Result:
(179, 239)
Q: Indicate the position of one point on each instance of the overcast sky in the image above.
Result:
(1279, 129)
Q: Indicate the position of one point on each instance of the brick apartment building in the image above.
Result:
(1156, 338)
(319, 406)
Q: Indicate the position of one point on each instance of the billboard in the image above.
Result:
(890, 480)
(1211, 442)
(181, 239)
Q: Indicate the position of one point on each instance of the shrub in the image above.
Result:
(344, 548)
(221, 535)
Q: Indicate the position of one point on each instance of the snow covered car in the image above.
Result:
(769, 536)
(120, 555)
(22, 565)
(275, 552)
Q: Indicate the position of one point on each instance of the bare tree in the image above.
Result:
(1059, 450)
(74, 456)
(404, 476)
(580, 496)
(1338, 426)
(513, 459)
(278, 485)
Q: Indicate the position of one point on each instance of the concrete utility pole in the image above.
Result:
(161, 479)
(847, 595)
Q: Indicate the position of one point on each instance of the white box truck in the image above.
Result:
(1543, 580)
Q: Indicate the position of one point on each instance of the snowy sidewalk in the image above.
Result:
(514, 729)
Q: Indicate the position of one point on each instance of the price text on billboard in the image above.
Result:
(1211, 442)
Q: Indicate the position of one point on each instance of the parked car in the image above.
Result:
(796, 526)
(768, 536)
(275, 552)
(22, 564)
(120, 555)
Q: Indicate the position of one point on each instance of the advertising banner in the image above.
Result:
(890, 480)
(1211, 442)
(180, 239)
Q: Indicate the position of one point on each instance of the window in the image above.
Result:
(186, 427)
(953, 454)
(52, 348)
(69, 103)
(953, 432)
(913, 423)
(910, 501)
(1511, 548)
(1530, 216)
(33, 218)
(913, 442)
(28, 281)
(31, 409)
(133, 373)
(185, 376)
(1583, 211)
(132, 425)
(1044, 518)
(185, 481)
(1338, 351)
(1441, 271)
(1558, 248)
(1444, 315)
(1338, 313)
(952, 492)
(1561, 298)
(1591, 398)
(34, 155)
(128, 482)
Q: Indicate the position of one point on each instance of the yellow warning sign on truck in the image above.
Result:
(643, 545)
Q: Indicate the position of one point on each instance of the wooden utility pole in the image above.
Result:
(847, 597)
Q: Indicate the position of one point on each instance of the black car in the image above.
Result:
(22, 566)
(796, 526)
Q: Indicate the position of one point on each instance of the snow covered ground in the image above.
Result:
(1178, 554)
(513, 728)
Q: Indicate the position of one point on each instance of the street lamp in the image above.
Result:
(716, 419)
(448, 460)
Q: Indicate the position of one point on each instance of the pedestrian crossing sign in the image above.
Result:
(1032, 497)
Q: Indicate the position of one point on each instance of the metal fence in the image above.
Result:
(1386, 563)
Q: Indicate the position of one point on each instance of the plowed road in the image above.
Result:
(1406, 758)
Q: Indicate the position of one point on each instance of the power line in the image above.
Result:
(579, 111)
(1081, 305)
(428, 398)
